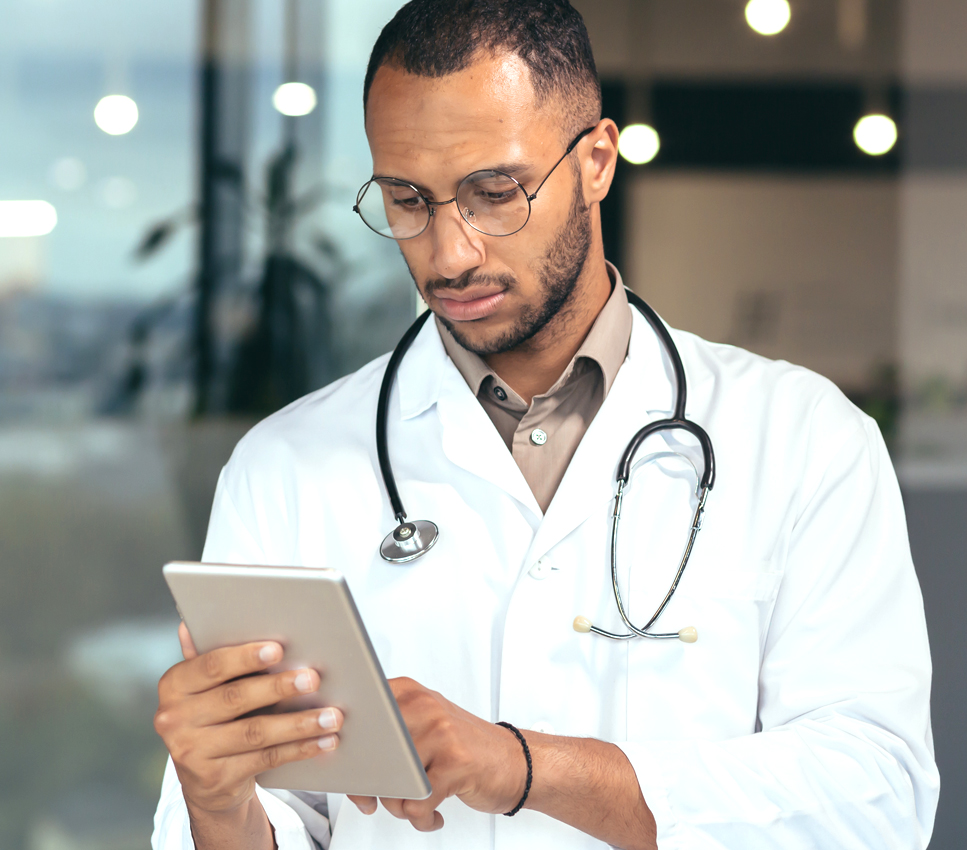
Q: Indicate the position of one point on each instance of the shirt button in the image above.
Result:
(538, 437)
(540, 570)
(499, 392)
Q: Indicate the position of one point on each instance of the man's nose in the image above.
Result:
(456, 247)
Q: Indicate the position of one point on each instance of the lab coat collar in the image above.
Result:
(428, 377)
(423, 369)
(643, 391)
(421, 372)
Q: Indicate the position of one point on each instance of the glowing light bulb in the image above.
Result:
(116, 114)
(26, 218)
(875, 134)
(638, 143)
(294, 99)
(768, 17)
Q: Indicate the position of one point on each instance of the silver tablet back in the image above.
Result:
(312, 614)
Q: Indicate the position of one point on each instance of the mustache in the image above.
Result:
(468, 279)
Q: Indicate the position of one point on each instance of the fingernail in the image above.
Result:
(327, 743)
(327, 718)
(269, 653)
(303, 682)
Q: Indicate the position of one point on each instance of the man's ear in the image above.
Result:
(599, 155)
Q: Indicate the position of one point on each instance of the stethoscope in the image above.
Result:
(409, 540)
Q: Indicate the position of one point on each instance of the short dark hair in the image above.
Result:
(434, 38)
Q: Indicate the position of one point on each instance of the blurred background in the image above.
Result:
(178, 257)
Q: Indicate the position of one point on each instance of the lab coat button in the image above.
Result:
(538, 437)
(540, 570)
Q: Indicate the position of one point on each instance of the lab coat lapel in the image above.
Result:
(642, 392)
(469, 439)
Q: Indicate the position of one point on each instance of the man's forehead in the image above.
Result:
(492, 79)
(488, 106)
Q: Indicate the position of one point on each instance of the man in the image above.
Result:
(800, 718)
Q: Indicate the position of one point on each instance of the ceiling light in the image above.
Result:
(116, 114)
(875, 134)
(26, 218)
(638, 143)
(768, 17)
(294, 99)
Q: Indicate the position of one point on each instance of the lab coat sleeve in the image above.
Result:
(844, 757)
(299, 822)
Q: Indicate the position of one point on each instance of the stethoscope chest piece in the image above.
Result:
(408, 541)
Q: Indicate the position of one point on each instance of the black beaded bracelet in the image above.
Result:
(530, 768)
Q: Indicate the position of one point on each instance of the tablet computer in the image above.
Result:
(312, 614)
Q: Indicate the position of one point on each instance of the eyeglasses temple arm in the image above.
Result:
(570, 148)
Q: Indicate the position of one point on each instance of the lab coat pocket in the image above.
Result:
(758, 583)
(708, 689)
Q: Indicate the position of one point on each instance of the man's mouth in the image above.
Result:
(466, 305)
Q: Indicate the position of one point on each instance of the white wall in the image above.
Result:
(802, 268)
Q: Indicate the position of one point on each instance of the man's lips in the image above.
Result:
(467, 305)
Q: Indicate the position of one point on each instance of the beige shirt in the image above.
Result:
(544, 435)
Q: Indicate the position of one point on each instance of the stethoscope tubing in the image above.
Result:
(382, 411)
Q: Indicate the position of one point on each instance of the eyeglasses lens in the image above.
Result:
(489, 201)
(393, 208)
(493, 203)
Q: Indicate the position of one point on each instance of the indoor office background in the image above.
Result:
(190, 262)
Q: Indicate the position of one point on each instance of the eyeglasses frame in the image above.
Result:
(431, 204)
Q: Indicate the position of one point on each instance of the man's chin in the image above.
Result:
(469, 337)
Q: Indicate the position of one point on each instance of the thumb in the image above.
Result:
(367, 805)
(187, 644)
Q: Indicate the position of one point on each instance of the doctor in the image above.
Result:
(799, 719)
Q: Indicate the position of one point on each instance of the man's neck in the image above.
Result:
(534, 367)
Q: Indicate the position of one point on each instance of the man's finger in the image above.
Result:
(224, 703)
(268, 730)
(423, 814)
(423, 819)
(241, 767)
(367, 805)
(211, 669)
(187, 644)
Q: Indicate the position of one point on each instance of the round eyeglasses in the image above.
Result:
(490, 201)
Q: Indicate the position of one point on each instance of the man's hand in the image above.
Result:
(215, 750)
(583, 782)
(466, 757)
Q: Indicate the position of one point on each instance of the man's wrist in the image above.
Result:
(243, 827)
(529, 765)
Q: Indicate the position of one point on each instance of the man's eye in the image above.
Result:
(495, 194)
(411, 202)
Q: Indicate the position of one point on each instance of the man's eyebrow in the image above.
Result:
(512, 168)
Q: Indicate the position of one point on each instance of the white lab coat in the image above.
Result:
(799, 719)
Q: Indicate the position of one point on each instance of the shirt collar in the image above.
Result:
(605, 345)
(427, 370)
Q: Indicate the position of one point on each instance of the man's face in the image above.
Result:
(494, 293)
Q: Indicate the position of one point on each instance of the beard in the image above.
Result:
(559, 271)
